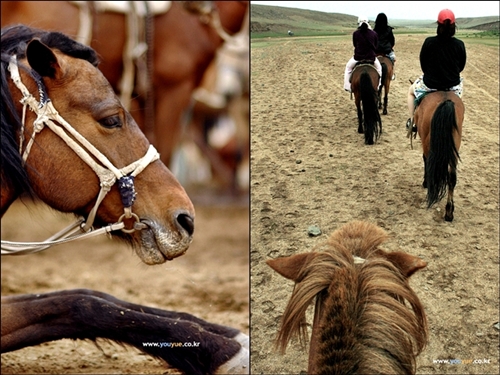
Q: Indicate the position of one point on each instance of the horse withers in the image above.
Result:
(439, 118)
(387, 72)
(367, 319)
(67, 140)
(364, 85)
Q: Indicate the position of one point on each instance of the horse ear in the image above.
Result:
(407, 264)
(42, 59)
(290, 266)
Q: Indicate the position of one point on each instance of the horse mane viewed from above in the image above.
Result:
(367, 319)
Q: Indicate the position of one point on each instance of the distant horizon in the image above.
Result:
(394, 11)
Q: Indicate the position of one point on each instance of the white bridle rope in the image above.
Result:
(107, 173)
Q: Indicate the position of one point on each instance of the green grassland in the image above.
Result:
(274, 22)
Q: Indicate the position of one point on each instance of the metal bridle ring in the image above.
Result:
(132, 215)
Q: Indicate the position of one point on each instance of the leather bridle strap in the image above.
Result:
(107, 173)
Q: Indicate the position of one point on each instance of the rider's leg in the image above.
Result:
(347, 74)
(378, 66)
(411, 105)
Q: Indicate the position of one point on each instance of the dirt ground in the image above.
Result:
(210, 281)
(309, 166)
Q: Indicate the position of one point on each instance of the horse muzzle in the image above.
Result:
(159, 244)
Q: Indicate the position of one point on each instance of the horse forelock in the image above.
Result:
(70, 47)
(315, 277)
(391, 323)
(371, 321)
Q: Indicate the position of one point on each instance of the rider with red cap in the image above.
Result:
(442, 59)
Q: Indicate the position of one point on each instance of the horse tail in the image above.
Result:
(443, 153)
(371, 116)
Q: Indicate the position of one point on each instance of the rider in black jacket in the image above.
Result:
(386, 40)
(442, 59)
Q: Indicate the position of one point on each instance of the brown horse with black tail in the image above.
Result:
(364, 84)
(439, 118)
(67, 140)
(387, 72)
(367, 319)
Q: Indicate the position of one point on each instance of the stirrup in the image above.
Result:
(411, 129)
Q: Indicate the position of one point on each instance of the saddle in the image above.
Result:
(362, 63)
(365, 62)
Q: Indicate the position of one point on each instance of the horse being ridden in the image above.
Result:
(364, 40)
(59, 160)
(387, 73)
(441, 111)
(364, 86)
(439, 118)
(367, 319)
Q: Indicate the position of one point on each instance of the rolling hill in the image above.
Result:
(271, 20)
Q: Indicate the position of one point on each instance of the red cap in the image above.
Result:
(446, 14)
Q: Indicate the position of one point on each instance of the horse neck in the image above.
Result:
(334, 347)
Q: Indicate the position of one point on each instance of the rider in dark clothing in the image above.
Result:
(386, 40)
(365, 41)
(442, 59)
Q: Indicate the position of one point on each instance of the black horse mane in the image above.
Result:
(14, 40)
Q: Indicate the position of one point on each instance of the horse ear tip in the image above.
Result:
(420, 263)
(273, 263)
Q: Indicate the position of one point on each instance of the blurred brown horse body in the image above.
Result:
(221, 109)
(367, 319)
(184, 44)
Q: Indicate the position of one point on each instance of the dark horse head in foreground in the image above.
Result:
(67, 140)
(364, 84)
(367, 319)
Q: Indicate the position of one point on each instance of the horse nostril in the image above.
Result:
(186, 222)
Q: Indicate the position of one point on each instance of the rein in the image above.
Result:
(107, 173)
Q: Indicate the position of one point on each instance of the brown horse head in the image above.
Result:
(65, 72)
(367, 319)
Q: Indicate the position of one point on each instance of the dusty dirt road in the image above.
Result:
(210, 281)
(311, 167)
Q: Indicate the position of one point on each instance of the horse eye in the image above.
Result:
(111, 122)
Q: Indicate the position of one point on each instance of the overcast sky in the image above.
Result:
(415, 10)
